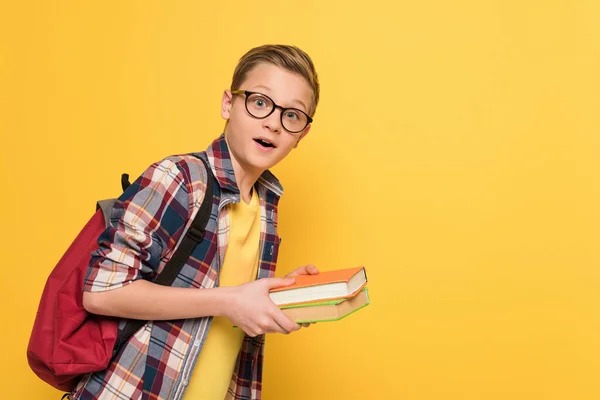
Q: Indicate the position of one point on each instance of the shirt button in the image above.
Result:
(184, 382)
(271, 252)
(197, 342)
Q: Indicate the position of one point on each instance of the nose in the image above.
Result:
(273, 121)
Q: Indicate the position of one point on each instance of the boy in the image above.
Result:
(190, 346)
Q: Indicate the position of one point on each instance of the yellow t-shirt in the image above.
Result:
(214, 368)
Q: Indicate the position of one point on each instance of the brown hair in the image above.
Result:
(290, 58)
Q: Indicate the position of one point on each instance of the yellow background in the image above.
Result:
(454, 153)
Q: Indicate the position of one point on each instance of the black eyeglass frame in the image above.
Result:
(248, 93)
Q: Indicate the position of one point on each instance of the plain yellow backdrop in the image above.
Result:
(454, 154)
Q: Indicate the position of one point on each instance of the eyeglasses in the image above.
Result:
(261, 106)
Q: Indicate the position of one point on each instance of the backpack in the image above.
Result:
(66, 341)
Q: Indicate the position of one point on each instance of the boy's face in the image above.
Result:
(244, 132)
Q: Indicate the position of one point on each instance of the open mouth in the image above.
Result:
(264, 143)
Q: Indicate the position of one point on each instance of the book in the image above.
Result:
(327, 285)
(333, 310)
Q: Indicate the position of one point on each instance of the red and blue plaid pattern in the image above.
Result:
(146, 223)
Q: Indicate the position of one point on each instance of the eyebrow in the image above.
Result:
(293, 101)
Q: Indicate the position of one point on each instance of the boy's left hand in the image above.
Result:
(304, 270)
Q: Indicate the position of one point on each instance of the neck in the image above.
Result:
(245, 180)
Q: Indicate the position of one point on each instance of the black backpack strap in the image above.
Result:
(193, 236)
(125, 181)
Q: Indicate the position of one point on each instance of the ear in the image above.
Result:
(226, 104)
(304, 133)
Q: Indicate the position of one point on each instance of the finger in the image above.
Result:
(305, 270)
(285, 322)
(270, 326)
(275, 328)
(272, 283)
(296, 272)
(252, 332)
(312, 270)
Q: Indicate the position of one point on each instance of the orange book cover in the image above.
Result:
(339, 275)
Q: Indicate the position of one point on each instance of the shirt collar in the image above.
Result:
(220, 162)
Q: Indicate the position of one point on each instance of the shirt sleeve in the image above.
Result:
(146, 221)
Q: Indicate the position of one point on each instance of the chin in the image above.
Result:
(261, 163)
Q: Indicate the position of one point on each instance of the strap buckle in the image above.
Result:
(196, 234)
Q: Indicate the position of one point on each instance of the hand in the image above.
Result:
(253, 311)
(305, 270)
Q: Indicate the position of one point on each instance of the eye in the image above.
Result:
(260, 101)
(293, 115)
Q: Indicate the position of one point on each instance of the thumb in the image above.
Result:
(278, 282)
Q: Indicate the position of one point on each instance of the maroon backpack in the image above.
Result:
(66, 341)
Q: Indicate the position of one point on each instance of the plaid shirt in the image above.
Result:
(146, 224)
